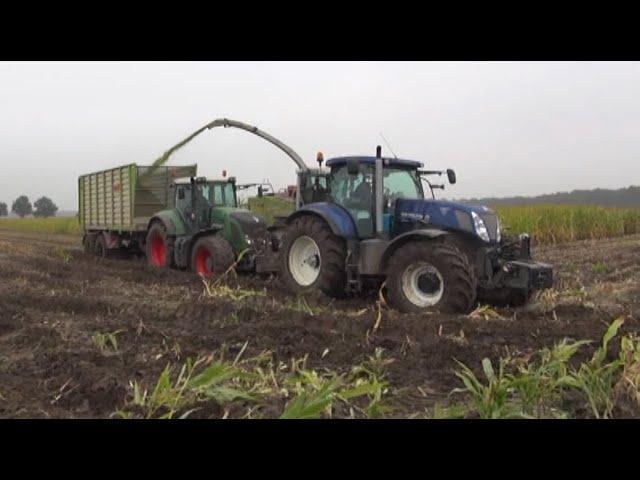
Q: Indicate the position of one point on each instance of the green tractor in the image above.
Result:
(203, 229)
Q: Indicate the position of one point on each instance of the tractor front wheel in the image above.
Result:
(313, 257)
(430, 275)
(211, 256)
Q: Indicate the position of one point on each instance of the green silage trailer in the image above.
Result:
(124, 199)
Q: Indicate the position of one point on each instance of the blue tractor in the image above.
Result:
(367, 221)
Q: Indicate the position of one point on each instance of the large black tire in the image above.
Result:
(413, 284)
(330, 264)
(158, 247)
(211, 256)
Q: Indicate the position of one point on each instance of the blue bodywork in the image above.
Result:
(438, 213)
(336, 216)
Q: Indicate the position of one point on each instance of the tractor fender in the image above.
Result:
(337, 217)
(172, 222)
(413, 235)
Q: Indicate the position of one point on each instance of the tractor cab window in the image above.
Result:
(400, 183)
(202, 195)
(224, 195)
(355, 193)
(183, 197)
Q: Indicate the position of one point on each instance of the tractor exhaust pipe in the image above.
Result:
(378, 192)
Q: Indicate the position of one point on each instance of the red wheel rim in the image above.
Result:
(158, 251)
(204, 262)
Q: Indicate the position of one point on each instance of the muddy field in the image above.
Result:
(54, 299)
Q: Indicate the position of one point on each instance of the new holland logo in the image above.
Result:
(415, 216)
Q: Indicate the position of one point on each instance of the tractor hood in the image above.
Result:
(450, 216)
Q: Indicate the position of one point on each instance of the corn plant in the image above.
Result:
(493, 399)
(317, 392)
(63, 253)
(106, 341)
(539, 384)
(315, 396)
(630, 358)
(168, 397)
(597, 378)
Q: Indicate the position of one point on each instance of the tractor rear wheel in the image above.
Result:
(157, 246)
(313, 257)
(430, 275)
(211, 256)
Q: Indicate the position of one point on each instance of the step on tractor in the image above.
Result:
(168, 214)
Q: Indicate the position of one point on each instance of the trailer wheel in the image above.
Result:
(211, 256)
(157, 247)
(100, 247)
(430, 275)
(313, 257)
(89, 243)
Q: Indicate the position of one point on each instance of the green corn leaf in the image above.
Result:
(215, 374)
(371, 388)
(488, 369)
(228, 394)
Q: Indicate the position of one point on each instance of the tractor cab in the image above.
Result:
(197, 197)
(353, 186)
(401, 205)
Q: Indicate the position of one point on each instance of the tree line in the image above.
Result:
(622, 197)
(43, 207)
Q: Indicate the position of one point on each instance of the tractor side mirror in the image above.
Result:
(180, 193)
(451, 175)
(353, 166)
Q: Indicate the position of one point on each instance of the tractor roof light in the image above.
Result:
(480, 227)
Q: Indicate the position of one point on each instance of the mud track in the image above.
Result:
(53, 298)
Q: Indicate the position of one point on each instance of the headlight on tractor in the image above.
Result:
(498, 233)
(480, 227)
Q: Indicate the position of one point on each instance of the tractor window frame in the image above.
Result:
(344, 193)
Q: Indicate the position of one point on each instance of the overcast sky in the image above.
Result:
(507, 128)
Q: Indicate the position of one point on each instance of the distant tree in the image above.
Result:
(3, 210)
(22, 206)
(44, 208)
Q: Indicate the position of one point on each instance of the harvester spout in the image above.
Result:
(225, 122)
